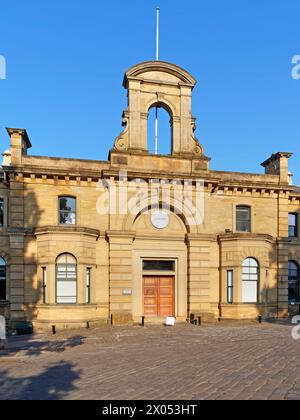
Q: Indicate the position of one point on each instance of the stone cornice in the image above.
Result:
(288, 241)
(159, 66)
(213, 183)
(120, 234)
(44, 230)
(201, 237)
(246, 237)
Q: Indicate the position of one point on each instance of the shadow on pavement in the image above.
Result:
(32, 347)
(55, 383)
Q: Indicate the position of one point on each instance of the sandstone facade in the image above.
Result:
(111, 247)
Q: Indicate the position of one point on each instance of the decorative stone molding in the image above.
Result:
(66, 229)
(246, 237)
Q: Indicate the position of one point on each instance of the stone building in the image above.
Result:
(83, 240)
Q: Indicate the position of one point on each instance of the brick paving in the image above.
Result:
(185, 362)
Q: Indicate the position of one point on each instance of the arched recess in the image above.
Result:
(187, 216)
(160, 117)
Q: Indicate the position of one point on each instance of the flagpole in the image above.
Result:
(157, 33)
(157, 58)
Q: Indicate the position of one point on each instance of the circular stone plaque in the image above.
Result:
(160, 219)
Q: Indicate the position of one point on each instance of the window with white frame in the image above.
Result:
(230, 286)
(293, 225)
(67, 210)
(88, 285)
(66, 279)
(250, 281)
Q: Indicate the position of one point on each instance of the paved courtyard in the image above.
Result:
(185, 362)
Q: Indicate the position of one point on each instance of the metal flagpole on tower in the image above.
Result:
(157, 58)
(157, 33)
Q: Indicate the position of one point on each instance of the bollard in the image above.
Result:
(260, 319)
(199, 321)
(2, 333)
(111, 319)
(143, 321)
(53, 329)
(88, 325)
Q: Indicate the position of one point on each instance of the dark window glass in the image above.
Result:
(159, 265)
(1, 212)
(66, 279)
(230, 286)
(294, 293)
(293, 225)
(67, 211)
(243, 219)
(2, 279)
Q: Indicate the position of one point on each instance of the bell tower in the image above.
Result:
(159, 84)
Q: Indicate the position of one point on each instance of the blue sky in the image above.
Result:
(66, 60)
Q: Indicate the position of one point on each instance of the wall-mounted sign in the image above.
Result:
(127, 292)
(160, 219)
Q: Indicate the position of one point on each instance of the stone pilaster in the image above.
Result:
(199, 273)
(120, 275)
(283, 260)
(283, 253)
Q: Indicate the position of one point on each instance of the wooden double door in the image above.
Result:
(159, 296)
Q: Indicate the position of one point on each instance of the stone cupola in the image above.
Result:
(159, 84)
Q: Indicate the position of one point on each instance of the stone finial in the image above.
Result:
(278, 164)
(6, 158)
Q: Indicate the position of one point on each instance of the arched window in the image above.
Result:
(67, 210)
(164, 139)
(66, 279)
(294, 278)
(250, 281)
(243, 219)
(2, 279)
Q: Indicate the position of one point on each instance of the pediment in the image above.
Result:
(159, 71)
